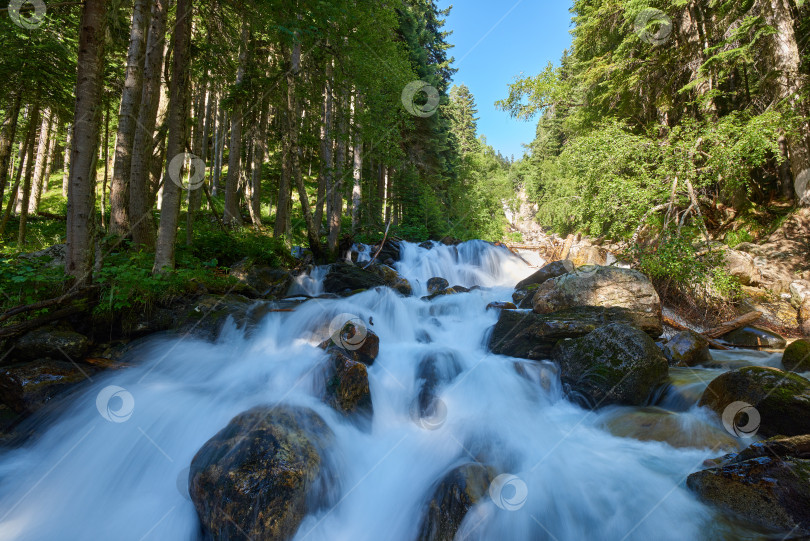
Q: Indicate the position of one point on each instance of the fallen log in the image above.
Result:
(678, 327)
(733, 325)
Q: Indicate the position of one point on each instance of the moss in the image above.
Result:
(797, 356)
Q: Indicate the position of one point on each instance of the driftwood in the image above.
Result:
(733, 325)
(678, 327)
(382, 245)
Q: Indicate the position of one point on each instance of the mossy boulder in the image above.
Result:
(754, 337)
(257, 477)
(27, 387)
(523, 297)
(437, 284)
(261, 281)
(615, 364)
(52, 343)
(392, 279)
(501, 306)
(356, 341)
(687, 348)
(347, 386)
(655, 424)
(206, 315)
(528, 335)
(547, 272)
(767, 484)
(452, 498)
(345, 277)
(797, 356)
(781, 399)
(606, 287)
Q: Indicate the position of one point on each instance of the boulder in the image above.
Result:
(205, 316)
(766, 484)
(52, 343)
(261, 281)
(255, 478)
(804, 318)
(454, 496)
(589, 255)
(347, 387)
(528, 335)
(523, 297)
(687, 348)
(608, 287)
(356, 341)
(742, 266)
(615, 364)
(390, 251)
(754, 337)
(437, 284)
(797, 356)
(434, 371)
(781, 400)
(501, 306)
(392, 279)
(343, 277)
(547, 272)
(27, 387)
(656, 424)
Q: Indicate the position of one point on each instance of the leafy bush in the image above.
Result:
(735, 238)
(226, 248)
(27, 281)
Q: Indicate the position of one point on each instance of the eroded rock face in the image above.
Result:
(529, 335)
(457, 492)
(797, 356)
(608, 287)
(29, 386)
(754, 337)
(767, 484)
(52, 343)
(259, 476)
(742, 266)
(781, 399)
(547, 272)
(615, 364)
(687, 348)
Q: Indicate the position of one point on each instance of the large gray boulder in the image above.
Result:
(615, 364)
(29, 386)
(607, 287)
(547, 272)
(52, 343)
(256, 478)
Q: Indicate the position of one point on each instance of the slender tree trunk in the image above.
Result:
(28, 165)
(178, 115)
(195, 195)
(66, 160)
(86, 124)
(39, 163)
(324, 180)
(335, 206)
(127, 118)
(26, 147)
(259, 150)
(389, 182)
(140, 199)
(7, 136)
(219, 144)
(357, 154)
(50, 157)
(232, 215)
(106, 167)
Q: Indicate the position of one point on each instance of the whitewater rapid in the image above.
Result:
(112, 462)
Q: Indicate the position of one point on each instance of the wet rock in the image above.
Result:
(343, 277)
(443, 292)
(436, 284)
(355, 340)
(347, 387)
(761, 486)
(258, 477)
(781, 400)
(434, 371)
(679, 431)
(804, 318)
(754, 337)
(427, 245)
(454, 496)
(608, 287)
(29, 386)
(523, 297)
(529, 335)
(262, 281)
(52, 343)
(205, 317)
(547, 272)
(501, 306)
(797, 356)
(687, 348)
(392, 279)
(615, 364)
(391, 251)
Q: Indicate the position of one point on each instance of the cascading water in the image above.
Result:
(113, 464)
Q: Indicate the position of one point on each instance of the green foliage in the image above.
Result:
(212, 244)
(735, 238)
(29, 280)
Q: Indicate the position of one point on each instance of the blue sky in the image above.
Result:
(494, 42)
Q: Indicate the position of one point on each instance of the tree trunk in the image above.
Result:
(195, 195)
(26, 147)
(219, 144)
(106, 154)
(176, 143)
(127, 118)
(389, 184)
(39, 164)
(66, 160)
(140, 200)
(50, 157)
(25, 192)
(335, 202)
(232, 215)
(259, 151)
(87, 119)
(357, 154)
(7, 141)
(325, 180)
